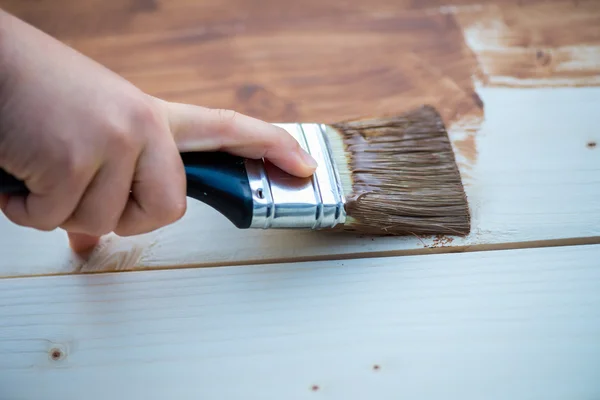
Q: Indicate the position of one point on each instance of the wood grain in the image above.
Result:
(537, 45)
(530, 176)
(275, 60)
(89, 18)
(528, 182)
(516, 324)
(520, 324)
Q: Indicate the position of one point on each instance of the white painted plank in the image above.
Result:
(534, 179)
(508, 324)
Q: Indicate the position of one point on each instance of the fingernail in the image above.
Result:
(308, 159)
(82, 244)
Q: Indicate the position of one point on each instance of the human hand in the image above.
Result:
(94, 150)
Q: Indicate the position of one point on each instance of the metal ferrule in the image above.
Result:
(285, 201)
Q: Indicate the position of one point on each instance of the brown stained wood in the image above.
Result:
(279, 61)
(89, 18)
(543, 44)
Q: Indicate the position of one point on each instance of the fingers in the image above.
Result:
(104, 200)
(202, 129)
(81, 243)
(158, 195)
(131, 195)
(52, 197)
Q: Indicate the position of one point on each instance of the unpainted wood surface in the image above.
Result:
(526, 154)
(511, 324)
(531, 179)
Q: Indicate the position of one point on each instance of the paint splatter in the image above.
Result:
(440, 241)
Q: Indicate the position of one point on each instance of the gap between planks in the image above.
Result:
(540, 244)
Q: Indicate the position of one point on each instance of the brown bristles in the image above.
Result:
(400, 176)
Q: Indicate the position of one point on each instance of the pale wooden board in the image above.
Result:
(529, 176)
(507, 324)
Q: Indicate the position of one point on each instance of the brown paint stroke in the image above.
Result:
(313, 68)
(535, 45)
(467, 147)
(316, 68)
(69, 19)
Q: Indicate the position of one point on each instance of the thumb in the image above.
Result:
(198, 128)
(82, 243)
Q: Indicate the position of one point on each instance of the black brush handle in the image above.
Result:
(217, 179)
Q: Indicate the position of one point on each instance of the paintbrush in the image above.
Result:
(382, 176)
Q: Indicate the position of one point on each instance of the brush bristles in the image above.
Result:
(400, 176)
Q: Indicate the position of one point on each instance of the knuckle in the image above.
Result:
(124, 144)
(131, 228)
(144, 112)
(128, 130)
(64, 168)
(44, 225)
(125, 231)
(170, 211)
(125, 227)
(91, 222)
(87, 227)
(178, 210)
(97, 228)
(70, 166)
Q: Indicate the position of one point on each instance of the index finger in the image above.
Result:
(197, 128)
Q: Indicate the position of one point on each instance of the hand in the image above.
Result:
(82, 137)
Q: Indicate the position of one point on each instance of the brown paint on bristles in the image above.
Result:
(400, 175)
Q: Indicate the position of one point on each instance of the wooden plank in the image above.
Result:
(530, 175)
(89, 18)
(535, 45)
(529, 172)
(321, 67)
(511, 324)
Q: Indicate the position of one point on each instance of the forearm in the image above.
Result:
(4, 29)
(7, 22)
